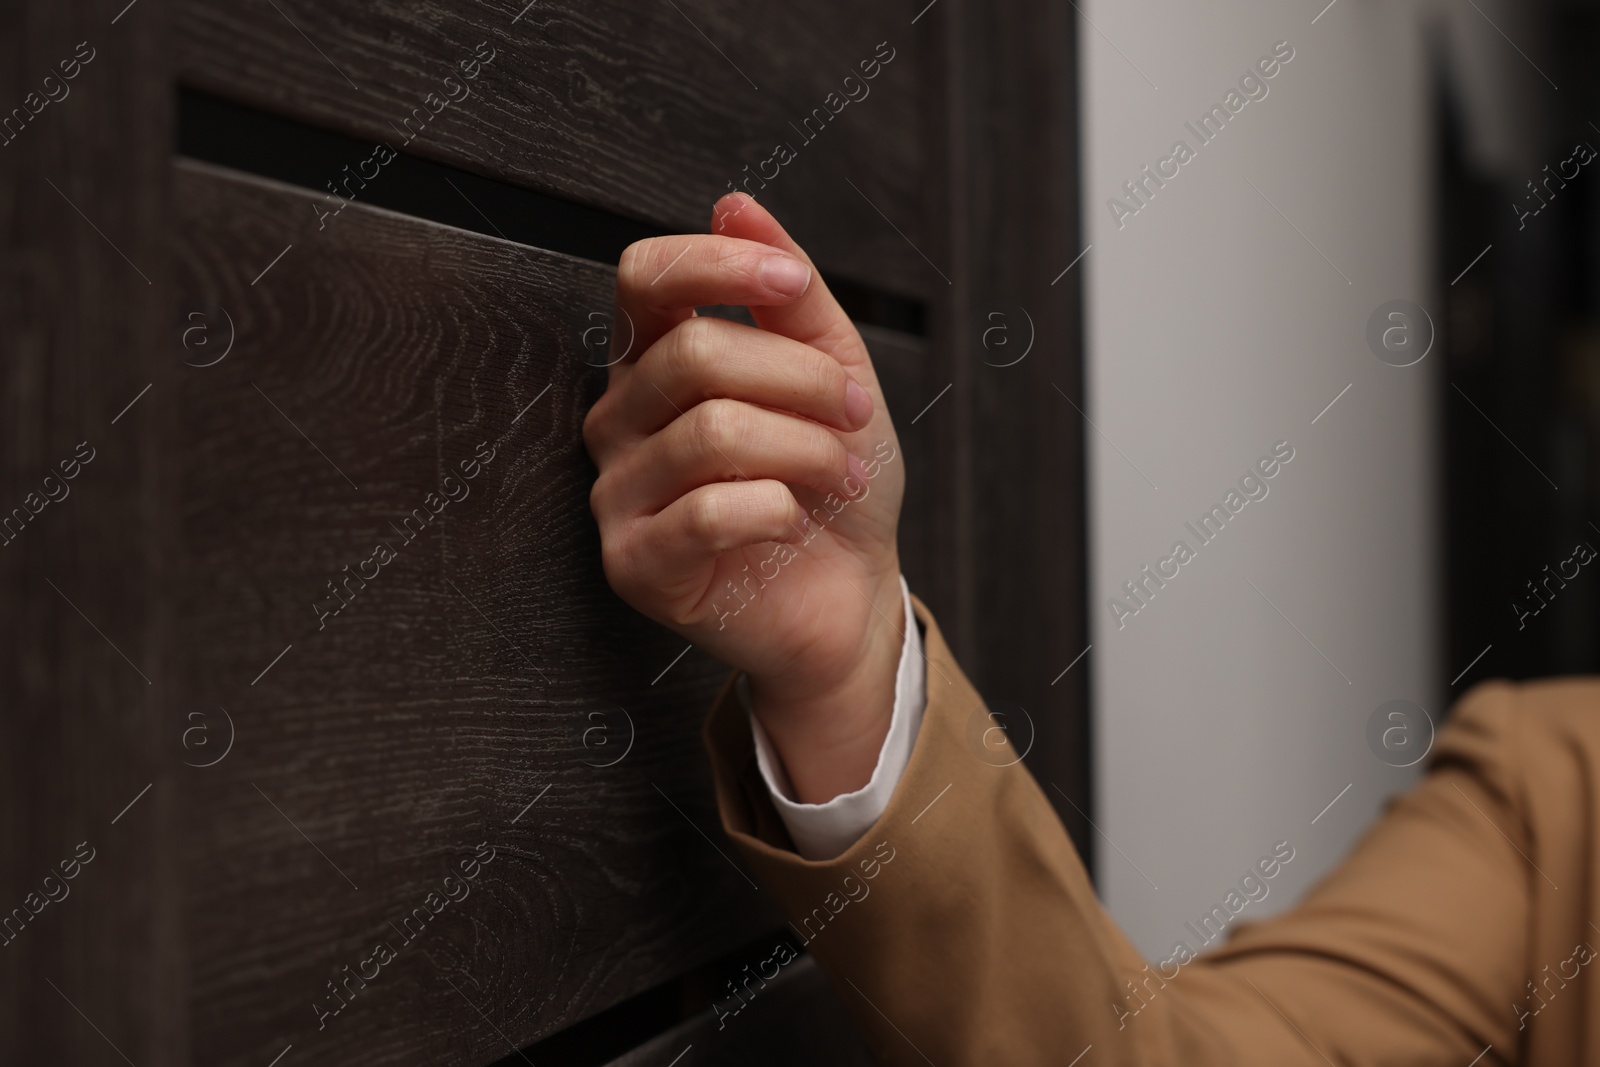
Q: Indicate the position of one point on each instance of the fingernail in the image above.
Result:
(785, 275)
(857, 404)
(858, 468)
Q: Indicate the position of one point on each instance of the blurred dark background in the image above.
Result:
(1521, 339)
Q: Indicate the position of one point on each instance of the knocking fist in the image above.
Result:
(750, 486)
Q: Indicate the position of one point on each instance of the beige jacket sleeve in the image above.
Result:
(963, 929)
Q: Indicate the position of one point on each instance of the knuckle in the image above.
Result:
(632, 261)
(830, 454)
(730, 256)
(648, 256)
(616, 559)
(689, 357)
(721, 423)
(707, 515)
(658, 255)
(776, 505)
(698, 339)
(824, 378)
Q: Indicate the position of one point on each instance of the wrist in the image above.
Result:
(828, 729)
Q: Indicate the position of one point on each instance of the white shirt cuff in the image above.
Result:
(823, 831)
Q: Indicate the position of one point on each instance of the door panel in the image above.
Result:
(648, 110)
(475, 684)
(289, 746)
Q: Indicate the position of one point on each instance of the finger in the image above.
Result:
(722, 441)
(705, 358)
(676, 551)
(814, 318)
(661, 280)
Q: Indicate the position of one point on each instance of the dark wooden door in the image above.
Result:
(313, 653)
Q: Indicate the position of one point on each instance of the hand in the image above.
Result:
(750, 486)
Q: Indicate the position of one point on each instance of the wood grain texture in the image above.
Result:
(479, 688)
(313, 783)
(1006, 442)
(90, 955)
(648, 110)
(795, 1020)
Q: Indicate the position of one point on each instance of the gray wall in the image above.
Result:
(1232, 708)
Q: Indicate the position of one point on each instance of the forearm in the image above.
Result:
(824, 829)
(829, 735)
